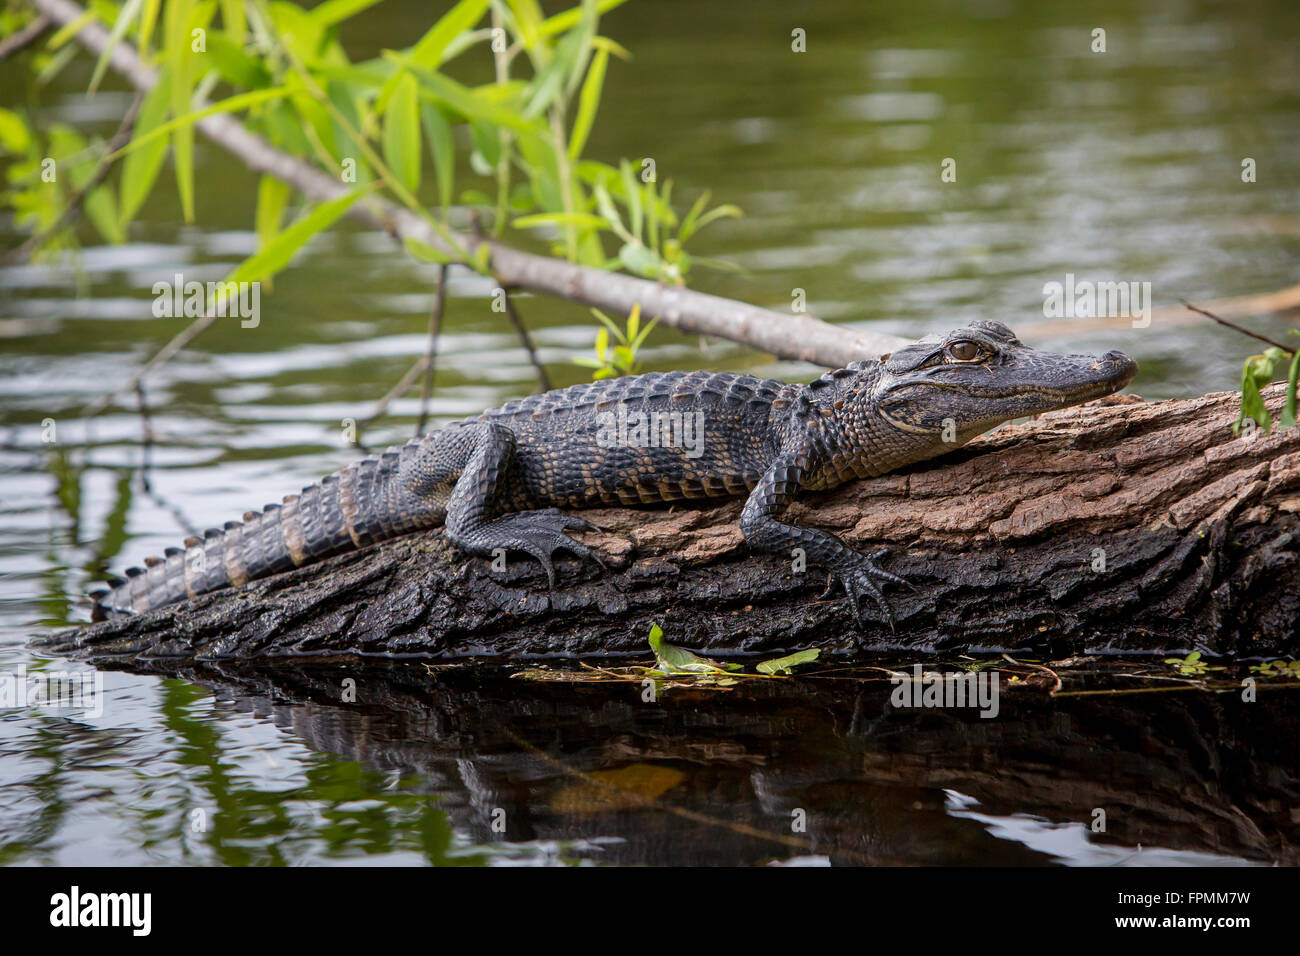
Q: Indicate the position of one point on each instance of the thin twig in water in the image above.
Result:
(1237, 328)
(75, 201)
(431, 357)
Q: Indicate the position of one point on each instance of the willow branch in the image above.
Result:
(800, 337)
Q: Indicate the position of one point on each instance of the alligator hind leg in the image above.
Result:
(474, 526)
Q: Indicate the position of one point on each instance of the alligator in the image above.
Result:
(496, 481)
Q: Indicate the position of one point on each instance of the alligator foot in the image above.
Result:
(539, 534)
(858, 578)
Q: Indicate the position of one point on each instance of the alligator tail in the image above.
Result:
(349, 509)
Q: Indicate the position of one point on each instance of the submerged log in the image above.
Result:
(1122, 526)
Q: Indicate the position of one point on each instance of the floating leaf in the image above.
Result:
(672, 659)
(784, 665)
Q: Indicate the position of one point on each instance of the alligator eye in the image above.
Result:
(963, 351)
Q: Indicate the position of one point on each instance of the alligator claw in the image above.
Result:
(540, 534)
(858, 581)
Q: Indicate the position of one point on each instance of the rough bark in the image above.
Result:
(1004, 541)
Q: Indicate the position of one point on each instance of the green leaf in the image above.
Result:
(101, 210)
(185, 123)
(1288, 418)
(123, 22)
(179, 61)
(470, 103)
(582, 219)
(427, 253)
(678, 660)
(147, 22)
(14, 135)
(633, 197)
(402, 134)
(463, 16)
(232, 18)
(569, 18)
(588, 103)
(277, 253)
(141, 167)
(694, 222)
(638, 259)
(235, 66)
(336, 11)
(784, 665)
(443, 148)
(528, 17)
(272, 197)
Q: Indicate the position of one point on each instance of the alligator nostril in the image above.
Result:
(1114, 356)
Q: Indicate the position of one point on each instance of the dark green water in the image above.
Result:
(1117, 166)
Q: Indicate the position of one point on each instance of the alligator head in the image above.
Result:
(980, 376)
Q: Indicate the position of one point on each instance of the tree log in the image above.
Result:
(1122, 526)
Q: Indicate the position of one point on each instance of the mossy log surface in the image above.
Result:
(1122, 526)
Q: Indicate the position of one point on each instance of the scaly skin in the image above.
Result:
(498, 479)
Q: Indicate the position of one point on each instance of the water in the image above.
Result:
(1123, 165)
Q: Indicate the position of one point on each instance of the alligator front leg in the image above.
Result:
(473, 526)
(763, 529)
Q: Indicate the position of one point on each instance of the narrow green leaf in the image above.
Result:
(463, 16)
(336, 11)
(141, 167)
(230, 104)
(1288, 418)
(588, 103)
(129, 11)
(270, 260)
(583, 219)
(232, 18)
(70, 30)
(442, 147)
(272, 197)
(402, 134)
(528, 17)
(180, 60)
(563, 21)
(470, 103)
(148, 20)
(101, 210)
(632, 194)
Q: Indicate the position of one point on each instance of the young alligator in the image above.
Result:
(495, 481)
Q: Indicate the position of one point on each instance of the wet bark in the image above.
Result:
(1122, 526)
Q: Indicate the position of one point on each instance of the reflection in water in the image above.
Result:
(470, 764)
